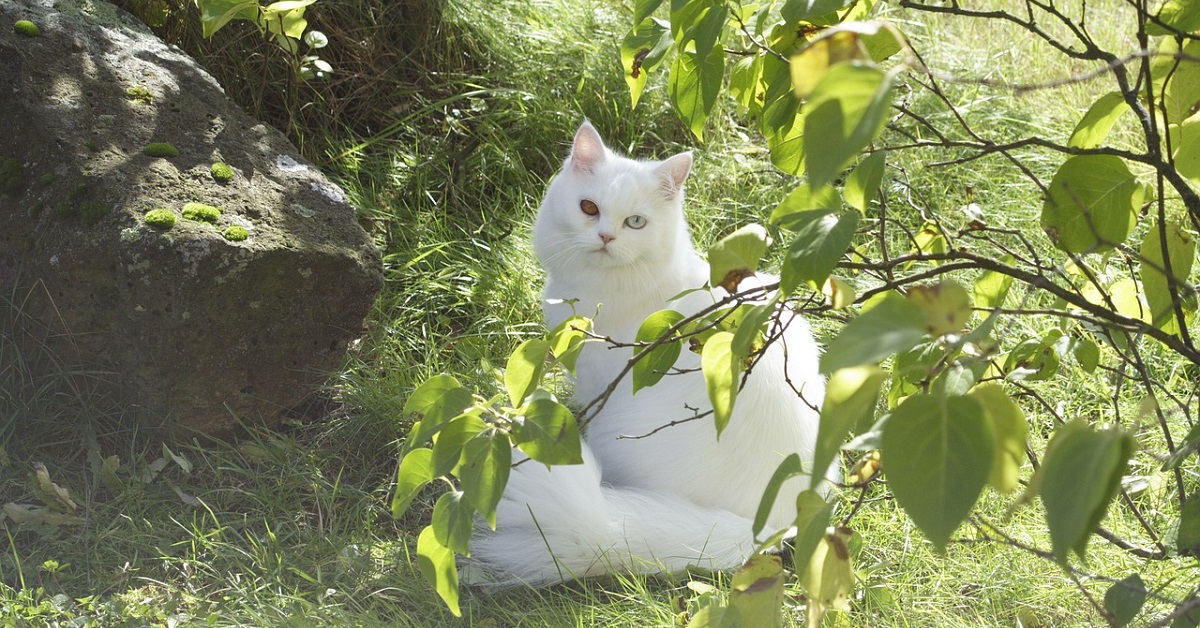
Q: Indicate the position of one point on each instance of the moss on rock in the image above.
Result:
(162, 219)
(201, 212)
(11, 175)
(90, 212)
(161, 149)
(236, 233)
(26, 28)
(222, 172)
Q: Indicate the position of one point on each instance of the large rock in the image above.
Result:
(190, 329)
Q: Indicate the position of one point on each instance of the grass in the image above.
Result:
(443, 122)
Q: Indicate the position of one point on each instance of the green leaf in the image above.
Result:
(644, 8)
(448, 446)
(484, 473)
(436, 563)
(1179, 15)
(847, 110)
(785, 142)
(735, 256)
(794, 211)
(1183, 449)
(789, 468)
(863, 182)
(1098, 121)
(938, 453)
(651, 367)
(1011, 432)
(1176, 259)
(991, 288)
(1032, 360)
(1181, 91)
(1187, 530)
(745, 83)
(698, 22)
(525, 368)
(821, 239)
(414, 473)
(567, 340)
(722, 370)
(694, 85)
(641, 51)
(1080, 473)
(796, 10)
(1185, 138)
(549, 433)
(756, 592)
(1124, 599)
(894, 324)
(1092, 204)
(215, 14)
(1086, 353)
(453, 519)
(850, 398)
(749, 334)
(435, 402)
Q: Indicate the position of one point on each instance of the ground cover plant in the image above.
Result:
(447, 164)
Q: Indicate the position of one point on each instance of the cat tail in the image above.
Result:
(560, 524)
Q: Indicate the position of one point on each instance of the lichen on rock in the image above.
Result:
(140, 94)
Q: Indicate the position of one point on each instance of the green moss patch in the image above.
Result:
(26, 28)
(162, 219)
(201, 212)
(237, 233)
(140, 94)
(222, 172)
(11, 174)
(161, 149)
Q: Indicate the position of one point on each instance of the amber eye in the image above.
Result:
(589, 207)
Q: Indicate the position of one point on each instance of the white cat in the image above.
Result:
(613, 239)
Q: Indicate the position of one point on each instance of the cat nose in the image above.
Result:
(607, 237)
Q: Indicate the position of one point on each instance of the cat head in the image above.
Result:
(605, 212)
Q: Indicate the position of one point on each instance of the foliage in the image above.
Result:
(932, 306)
(283, 22)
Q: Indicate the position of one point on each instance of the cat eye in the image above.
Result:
(635, 222)
(589, 207)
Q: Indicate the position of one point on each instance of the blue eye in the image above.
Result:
(635, 222)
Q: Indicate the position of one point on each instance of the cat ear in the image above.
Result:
(588, 150)
(673, 172)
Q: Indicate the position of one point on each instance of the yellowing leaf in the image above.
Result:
(841, 294)
(946, 306)
(867, 468)
(811, 63)
(756, 592)
(829, 578)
